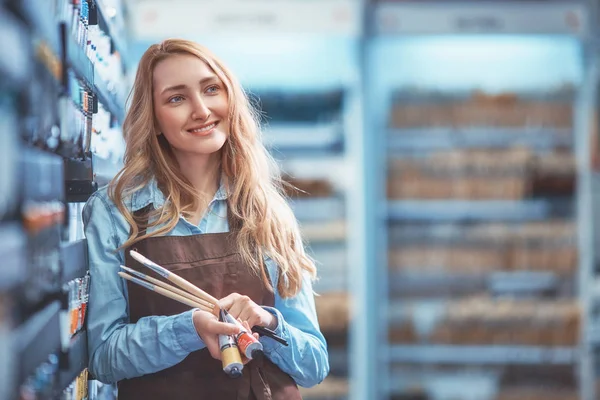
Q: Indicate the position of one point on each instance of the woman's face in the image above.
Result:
(191, 106)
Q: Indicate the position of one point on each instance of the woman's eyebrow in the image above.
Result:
(173, 88)
(208, 79)
(183, 86)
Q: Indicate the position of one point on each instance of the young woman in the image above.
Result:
(199, 195)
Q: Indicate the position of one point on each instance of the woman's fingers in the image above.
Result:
(221, 328)
(242, 307)
(207, 324)
(227, 301)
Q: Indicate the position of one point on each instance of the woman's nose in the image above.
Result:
(201, 110)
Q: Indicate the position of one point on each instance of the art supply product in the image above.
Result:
(247, 343)
(230, 354)
(166, 286)
(159, 290)
(263, 331)
(182, 283)
(195, 295)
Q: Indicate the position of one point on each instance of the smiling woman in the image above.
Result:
(200, 195)
(190, 103)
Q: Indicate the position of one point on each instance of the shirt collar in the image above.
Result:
(151, 194)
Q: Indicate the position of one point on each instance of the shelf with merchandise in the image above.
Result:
(111, 21)
(72, 362)
(40, 17)
(84, 68)
(445, 138)
(302, 122)
(36, 338)
(13, 247)
(78, 61)
(467, 161)
(109, 98)
(74, 260)
(14, 65)
(421, 284)
(475, 355)
(318, 209)
(476, 210)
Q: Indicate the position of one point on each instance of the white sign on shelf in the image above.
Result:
(159, 19)
(473, 17)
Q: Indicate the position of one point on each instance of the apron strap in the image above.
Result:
(258, 384)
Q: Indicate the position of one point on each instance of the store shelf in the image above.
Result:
(466, 210)
(15, 67)
(13, 247)
(299, 136)
(330, 232)
(84, 69)
(108, 98)
(108, 25)
(438, 284)
(314, 209)
(73, 256)
(432, 139)
(39, 15)
(476, 355)
(37, 338)
(79, 61)
(73, 362)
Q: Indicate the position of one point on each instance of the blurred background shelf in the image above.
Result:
(14, 60)
(78, 61)
(438, 354)
(319, 209)
(112, 22)
(489, 210)
(108, 98)
(73, 362)
(41, 15)
(13, 247)
(298, 137)
(434, 138)
(37, 338)
(74, 260)
(439, 284)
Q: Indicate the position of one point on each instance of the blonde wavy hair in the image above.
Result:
(254, 184)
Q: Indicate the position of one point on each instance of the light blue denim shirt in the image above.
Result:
(118, 349)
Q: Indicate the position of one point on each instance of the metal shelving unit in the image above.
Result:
(401, 22)
(52, 89)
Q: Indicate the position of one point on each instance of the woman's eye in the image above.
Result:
(175, 99)
(212, 89)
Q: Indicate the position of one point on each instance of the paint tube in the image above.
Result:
(230, 355)
(246, 342)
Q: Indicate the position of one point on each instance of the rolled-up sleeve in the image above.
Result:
(118, 349)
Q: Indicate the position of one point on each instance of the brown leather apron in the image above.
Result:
(211, 262)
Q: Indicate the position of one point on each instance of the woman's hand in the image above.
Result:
(209, 328)
(243, 308)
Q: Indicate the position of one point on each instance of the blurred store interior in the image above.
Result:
(448, 159)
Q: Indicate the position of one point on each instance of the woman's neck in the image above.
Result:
(203, 173)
